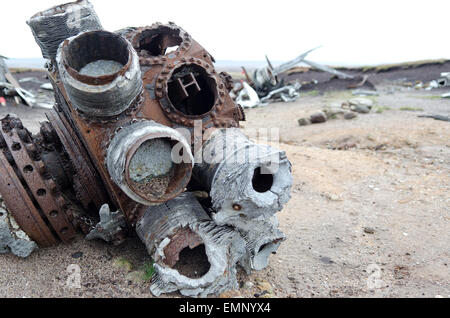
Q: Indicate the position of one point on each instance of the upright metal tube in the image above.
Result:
(244, 178)
(100, 72)
(140, 162)
(52, 26)
(181, 224)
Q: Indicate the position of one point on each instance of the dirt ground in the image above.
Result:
(369, 214)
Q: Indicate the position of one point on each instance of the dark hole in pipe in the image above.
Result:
(97, 53)
(28, 169)
(262, 182)
(264, 246)
(16, 147)
(193, 263)
(192, 91)
(159, 42)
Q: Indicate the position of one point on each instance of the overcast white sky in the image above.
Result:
(351, 32)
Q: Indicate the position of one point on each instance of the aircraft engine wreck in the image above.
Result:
(119, 154)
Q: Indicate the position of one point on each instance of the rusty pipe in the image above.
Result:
(141, 160)
(100, 72)
(52, 26)
(181, 226)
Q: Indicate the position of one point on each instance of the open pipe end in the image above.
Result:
(142, 162)
(97, 58)
(101, 73)
(52, 26)
(160, 40)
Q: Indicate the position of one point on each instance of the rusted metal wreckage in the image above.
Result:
(103, 164)
(265, 84)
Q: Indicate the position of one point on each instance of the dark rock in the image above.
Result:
(362, 109)
(349, 115)
(304, 121)
(369, 230)
(361, 101)
(318, 118)
(77, 255)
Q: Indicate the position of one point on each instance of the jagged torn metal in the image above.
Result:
(231, 176)
(223, 247)
(262, 238)
(12, 238)
(110, 226)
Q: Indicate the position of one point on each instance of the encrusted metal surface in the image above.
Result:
(41, 190)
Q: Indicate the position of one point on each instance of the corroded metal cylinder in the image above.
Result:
(244, 178)
(141, 161)
(176, 229)
(262, 238)
(100, 72)
(52, 26)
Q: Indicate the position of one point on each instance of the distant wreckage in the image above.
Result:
(134, 111)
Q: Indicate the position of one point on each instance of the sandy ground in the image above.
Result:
(369, 214)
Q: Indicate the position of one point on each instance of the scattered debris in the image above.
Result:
(444, 80)
(12, 90)
(111, 227)
(3, 69)
(247, 97)
(436, 117)
(287, 94)
(12, 238)
(332, 71)
(360, 84)
(318, 118)
(369, 230)
(10, 87)
(266, 83)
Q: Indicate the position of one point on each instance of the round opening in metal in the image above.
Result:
(158, 42)
(262, 182)
(152, 172)
(193, 263)
(97, 54)
(192, 91)
(151, 168)
(263, 247)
